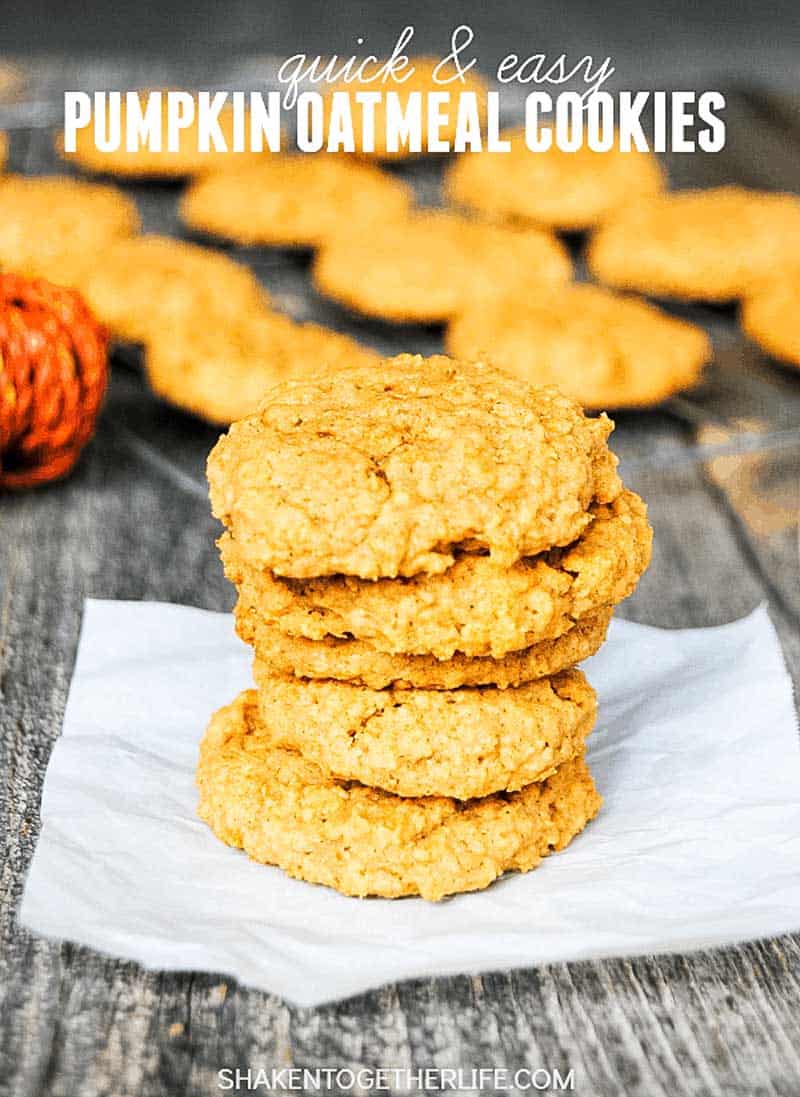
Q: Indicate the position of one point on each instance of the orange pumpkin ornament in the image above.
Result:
(53, 376)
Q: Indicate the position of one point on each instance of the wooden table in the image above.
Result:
(719, 470)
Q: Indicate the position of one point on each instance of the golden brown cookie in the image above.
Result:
(420, 82)
(221, 371)
(142, 287)
(712, 245)
(379, 471)
(3, 150)
(283, 810)
(433, 265)
(477, 607)
(293, 201)
(424, 742)
(603, 349)
(358, 662)
(568, 191)
(143, 163)
(49, 224)
(770, 316)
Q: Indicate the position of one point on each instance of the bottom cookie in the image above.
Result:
(282, 810)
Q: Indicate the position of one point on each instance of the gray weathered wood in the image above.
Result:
(133, 522)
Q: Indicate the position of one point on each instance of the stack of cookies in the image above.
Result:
(422, 552)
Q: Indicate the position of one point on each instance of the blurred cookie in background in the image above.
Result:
(432, 265)
(293, 201)
(603, 349)
(567, 191)
(710, 245)
(142, 286)
(51, 225)
(220, 371)
(770, 316)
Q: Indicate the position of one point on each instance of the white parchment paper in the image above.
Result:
(696, 753)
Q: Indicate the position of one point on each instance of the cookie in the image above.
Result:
(293, 201)
(476, 607)
(420, 82)
(603, 349)
(143, 163)
(567, 191)
(770, 315)
(358, 662)
(221, 371)
(143, 286)
(712, 245)
(379, 471)
(50, 224)
(432, 265)
(3, 150)
(284, 810)
(462, 743)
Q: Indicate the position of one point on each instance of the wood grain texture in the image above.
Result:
(133, 522)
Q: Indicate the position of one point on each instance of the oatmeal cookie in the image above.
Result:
(476, 607)
(770, 316)
(462, 743)
(388, 470)
(142, 287)
(220, 372)
(50, 224)
(284, 810)
(567, 191)
(712, 245)
(358, 662)
(293, 201)
(432, 265)
(604, 349)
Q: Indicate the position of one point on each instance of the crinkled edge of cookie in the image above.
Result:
(282, 810)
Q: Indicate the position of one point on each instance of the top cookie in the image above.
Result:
(568, 191)
(49, 224)
(433, 265)
(384, 471)
(143, 163)
(292, 201)
(421, 82)
(712, 245)
(604, 349)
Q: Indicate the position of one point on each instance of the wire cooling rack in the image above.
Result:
(745, 413)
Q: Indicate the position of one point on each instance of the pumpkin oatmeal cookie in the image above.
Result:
(379, 471)
(604, 349)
